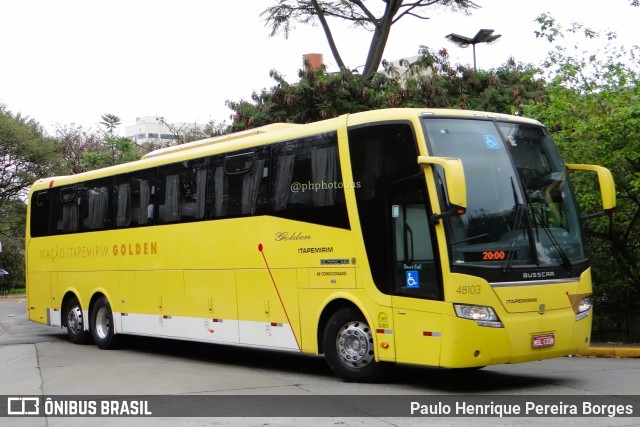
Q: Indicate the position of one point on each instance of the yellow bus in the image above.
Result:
(417, 236)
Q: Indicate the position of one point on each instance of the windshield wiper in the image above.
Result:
(516, 223)
(566, 262)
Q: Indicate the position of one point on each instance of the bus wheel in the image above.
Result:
(348, 347)
(102, 327)
(75, 322)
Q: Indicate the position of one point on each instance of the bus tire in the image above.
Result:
(102, 325)
(75, 322)
(349, 349)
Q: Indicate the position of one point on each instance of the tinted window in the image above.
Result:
(134, 196)
(182, 192)
(381, 155)
(306, 182)
(239, 183)
(40, 213)
(94, 205)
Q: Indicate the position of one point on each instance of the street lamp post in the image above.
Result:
(483, 36)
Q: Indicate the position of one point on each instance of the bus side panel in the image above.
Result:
(379, 318)
(152, 304)
(268, 317)
(418, 330)
(211, 301)
(39, 296)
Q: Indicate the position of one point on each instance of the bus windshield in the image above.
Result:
(521, 210)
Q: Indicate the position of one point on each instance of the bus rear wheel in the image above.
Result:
(348, 347)
(75, 322)
(102, 326)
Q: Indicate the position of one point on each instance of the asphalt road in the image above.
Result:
(38, 360)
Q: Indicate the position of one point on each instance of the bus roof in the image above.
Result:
(265, 135)
(217, 139)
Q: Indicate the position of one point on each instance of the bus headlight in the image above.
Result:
(584, 308)
(483, 315)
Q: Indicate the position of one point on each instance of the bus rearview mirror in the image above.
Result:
(454, 178)
(605, 179)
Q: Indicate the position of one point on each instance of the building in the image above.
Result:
(155, 130)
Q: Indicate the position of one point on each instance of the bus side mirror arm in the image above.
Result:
(607, 188)
(456, 185)
(456, 210)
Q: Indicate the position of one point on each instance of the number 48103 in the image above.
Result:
(469, 290)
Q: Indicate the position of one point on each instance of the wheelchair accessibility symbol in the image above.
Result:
(491, 142)
(412, 279)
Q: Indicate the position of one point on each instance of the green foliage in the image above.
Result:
(110, 122)
(26, 154)
(429, 81)
(593, 110)
(113, 150)
(75, 142)
(116, 150)
(12, 236)
(211, 129)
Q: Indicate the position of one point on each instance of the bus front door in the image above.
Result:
(417, 288)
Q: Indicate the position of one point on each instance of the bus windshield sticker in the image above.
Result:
(491, 142)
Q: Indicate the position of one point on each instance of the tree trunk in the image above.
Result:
(328, 35)
(379, 39)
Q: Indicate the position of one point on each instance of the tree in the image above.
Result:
(110, 122)
(593, 110)
(285, 13)
(74, 141)
(178, 132)
(26, 154)
(211, 129)
(116, 150)
(13, 214)
(187, 132)
(429, 81)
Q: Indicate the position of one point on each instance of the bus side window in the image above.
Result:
(133, 198)
(94, 201)
(183, 192)
(68, 210)
(306, 183)
(123, 204)
(239, 183)
(381, 155)
(40, 217)
(415, 272)
(168, 210)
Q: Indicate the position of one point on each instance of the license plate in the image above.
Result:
(540, 341)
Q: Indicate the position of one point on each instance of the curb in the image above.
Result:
(617, 352)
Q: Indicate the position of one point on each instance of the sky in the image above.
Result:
(68, 62)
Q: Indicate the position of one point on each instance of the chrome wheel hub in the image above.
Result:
(355, 344)
(74, 320)
(103, 322)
